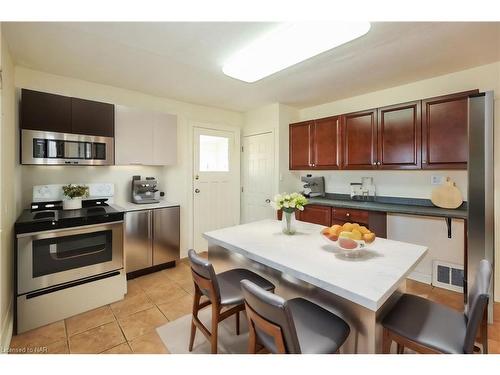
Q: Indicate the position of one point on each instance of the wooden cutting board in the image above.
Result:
(447, 195)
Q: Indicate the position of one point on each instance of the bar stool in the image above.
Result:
(222, 290)
(294, 326)
(428, 327)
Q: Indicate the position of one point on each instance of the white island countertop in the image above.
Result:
(368, 280)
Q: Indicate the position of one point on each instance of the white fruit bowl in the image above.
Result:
(348, 251)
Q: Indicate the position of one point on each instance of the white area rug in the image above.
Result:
(175, 335)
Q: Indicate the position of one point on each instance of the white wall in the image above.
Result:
(417, 183)
(10, 202)
(175, 180)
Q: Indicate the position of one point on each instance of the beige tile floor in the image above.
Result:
(123, 327)
(128, 326)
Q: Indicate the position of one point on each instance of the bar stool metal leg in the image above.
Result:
(238, 323)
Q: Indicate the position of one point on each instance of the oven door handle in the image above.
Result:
(53, 253)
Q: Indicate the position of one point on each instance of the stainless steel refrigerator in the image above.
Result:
(480, 197)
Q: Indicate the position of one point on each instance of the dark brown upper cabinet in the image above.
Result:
(43, 111)
(423, 134)
(326, 143)
(359, 136)
(63, 114)
(92, 118)
(399, 135)
(300, 139)
(314, 144)
(444, 131)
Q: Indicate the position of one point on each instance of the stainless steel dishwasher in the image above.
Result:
(152, 238)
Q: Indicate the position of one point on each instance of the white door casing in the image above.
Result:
(258, 176)
(216, 197)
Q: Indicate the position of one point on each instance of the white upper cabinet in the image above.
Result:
(165, 139)
(144, 137)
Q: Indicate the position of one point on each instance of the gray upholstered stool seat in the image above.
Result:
(291, 326)
(319, 331)
(229, 285)
(428, 323)
(429, 327)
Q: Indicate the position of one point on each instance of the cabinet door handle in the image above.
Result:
(150, 224)
(196, 191)
(374, 163)
(268, 200)
(348, 214)
(378, 163)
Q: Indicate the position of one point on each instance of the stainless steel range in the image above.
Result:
(68, 261)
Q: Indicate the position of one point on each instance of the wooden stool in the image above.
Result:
(223, 291)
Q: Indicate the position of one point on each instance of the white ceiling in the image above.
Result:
(183, 61)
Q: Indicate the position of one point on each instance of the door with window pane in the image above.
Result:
(215, 186)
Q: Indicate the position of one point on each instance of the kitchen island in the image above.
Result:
(360, 290)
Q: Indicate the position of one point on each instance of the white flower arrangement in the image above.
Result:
(289, 202)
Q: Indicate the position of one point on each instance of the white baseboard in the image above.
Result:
(420, 277)
(7, 328)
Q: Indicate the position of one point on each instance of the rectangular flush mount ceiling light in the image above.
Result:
(289, 44)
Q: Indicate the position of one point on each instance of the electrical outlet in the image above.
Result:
(437, 180)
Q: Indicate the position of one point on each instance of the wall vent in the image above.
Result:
(448, 275)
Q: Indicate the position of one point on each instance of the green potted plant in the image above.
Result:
(288, 204)
(73, 195)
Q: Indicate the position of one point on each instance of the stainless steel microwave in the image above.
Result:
(51, 148)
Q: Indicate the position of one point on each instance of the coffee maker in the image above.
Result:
(314, 186)
(143, 191)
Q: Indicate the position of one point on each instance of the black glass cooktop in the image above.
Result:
(50, 215)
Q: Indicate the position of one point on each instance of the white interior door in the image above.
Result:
(216, 183)
(258, 177)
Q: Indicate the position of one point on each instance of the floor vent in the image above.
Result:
(448, 275)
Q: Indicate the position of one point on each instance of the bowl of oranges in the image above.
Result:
(350, 238)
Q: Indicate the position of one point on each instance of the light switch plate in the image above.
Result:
(437, 180)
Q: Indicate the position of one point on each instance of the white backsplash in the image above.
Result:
(119, 176)
(407, 184)
(54, 191)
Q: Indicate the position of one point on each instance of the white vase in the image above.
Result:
(72, 204)
(288, 222)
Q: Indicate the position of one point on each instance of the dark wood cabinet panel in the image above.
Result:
(399, 135)
(373, 220)
(325, 142)
(327, 216)
(359, 136)
(63, 114)
(427, 134)
(316, 214)
(300, 139)
(43, 111)
(377, 223)
(92, 118)
(350, 215)
(444, 131)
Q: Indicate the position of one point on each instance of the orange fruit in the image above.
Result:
(369, 237)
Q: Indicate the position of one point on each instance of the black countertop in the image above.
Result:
(396, 205)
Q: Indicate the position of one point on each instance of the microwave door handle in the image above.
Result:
(53, 253)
